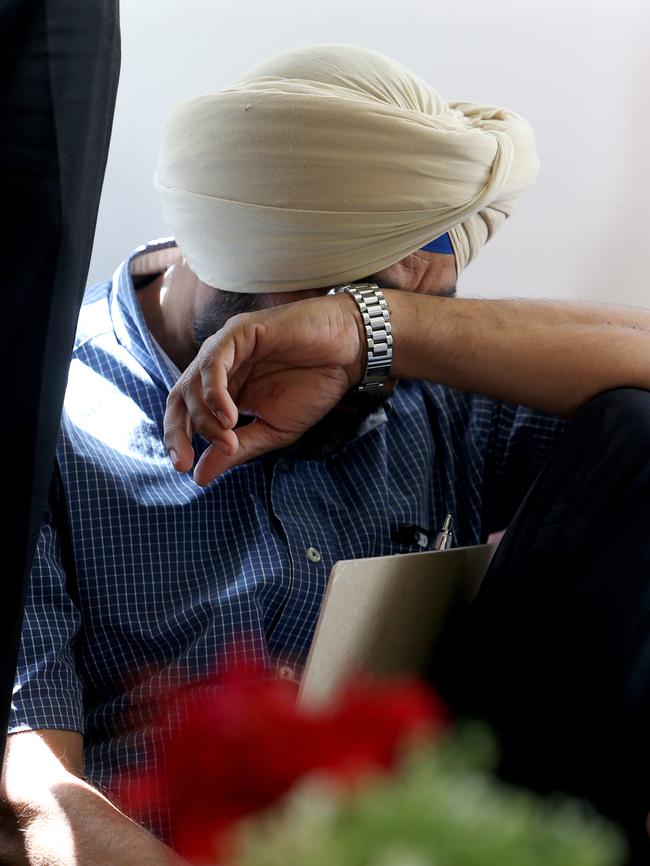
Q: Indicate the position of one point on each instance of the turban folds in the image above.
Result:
(329, 163)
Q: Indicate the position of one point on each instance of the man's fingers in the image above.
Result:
(200, 402)
(254, 439)
(202, 418)
(215, 363)
(214, 391)
(177, 432)
(186, 412)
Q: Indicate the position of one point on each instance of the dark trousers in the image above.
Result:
(58, 79)
(555, 652)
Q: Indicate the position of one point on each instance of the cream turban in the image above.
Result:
(329, 163)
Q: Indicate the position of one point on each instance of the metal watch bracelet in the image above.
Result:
(379, 338)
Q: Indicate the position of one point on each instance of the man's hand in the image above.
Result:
(287, 367)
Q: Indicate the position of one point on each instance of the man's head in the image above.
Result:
(182, 311)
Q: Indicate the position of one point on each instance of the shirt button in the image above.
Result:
(286, 673)
(284, 465)
(313, 555)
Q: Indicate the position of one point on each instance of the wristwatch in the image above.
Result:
(379, 339)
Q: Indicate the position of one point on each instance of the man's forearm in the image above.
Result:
(290, 365)
(76, 826)
(550, 355)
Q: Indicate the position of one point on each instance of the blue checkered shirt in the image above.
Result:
(143, 581)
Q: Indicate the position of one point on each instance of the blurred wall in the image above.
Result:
(578, 71)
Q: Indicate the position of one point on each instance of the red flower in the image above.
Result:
(244, 746)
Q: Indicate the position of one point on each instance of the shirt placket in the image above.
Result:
(310, 558)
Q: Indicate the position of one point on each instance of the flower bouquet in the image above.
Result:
(380, 778)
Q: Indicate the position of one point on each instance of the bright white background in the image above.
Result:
(578, 71)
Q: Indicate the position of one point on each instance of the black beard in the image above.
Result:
(336, 429)
(213, 317)
(339, 427)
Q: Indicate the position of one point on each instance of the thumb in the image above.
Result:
(254, 439)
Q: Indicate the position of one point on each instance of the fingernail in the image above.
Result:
(223, 419)
(173, 456)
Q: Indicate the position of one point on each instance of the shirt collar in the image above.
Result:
(131, 330)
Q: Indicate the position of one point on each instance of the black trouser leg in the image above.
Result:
(58, 79)
(555, 653)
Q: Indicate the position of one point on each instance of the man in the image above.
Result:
(326, 165)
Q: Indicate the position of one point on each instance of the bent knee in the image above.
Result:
(622, 414)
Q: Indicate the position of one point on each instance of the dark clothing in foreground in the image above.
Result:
(58, 79)
(555, 652)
